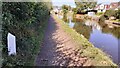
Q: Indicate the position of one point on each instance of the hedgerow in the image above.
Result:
(25, 20)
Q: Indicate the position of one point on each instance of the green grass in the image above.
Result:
(100, 13)
(117, 20)
(97, 56)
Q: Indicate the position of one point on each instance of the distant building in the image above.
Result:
(117, 7)
(55, 9)
(103, 7)
(114, 5)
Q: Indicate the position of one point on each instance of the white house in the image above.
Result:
(55, 10)
(102, 7)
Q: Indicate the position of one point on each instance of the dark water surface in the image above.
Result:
(101, 36)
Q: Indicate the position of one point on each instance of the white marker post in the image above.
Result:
(11, 41)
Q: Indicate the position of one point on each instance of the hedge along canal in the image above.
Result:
(97, 57)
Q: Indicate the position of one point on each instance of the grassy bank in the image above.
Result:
(86, 49)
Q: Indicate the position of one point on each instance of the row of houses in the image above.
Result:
(102, 7)
(99, 8)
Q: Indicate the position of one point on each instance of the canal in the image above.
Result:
(100, 35)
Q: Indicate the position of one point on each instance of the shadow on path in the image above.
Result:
(58, 49)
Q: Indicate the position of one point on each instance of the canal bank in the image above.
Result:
(96, 56)
(104, 38)
(100, 34)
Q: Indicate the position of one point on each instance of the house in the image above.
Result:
(114, 5)
(102, 7)
(57, 9)
(117, 7)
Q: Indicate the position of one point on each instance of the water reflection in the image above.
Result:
(71, 24)
(100, 35)
(107, 42)
(60, 16)
(83, 29)
(93, 24)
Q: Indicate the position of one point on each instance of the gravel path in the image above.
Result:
(58, 49)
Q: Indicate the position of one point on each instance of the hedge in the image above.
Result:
(27, 21)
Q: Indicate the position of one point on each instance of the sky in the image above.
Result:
(62, 2)
(107, 1)
(72, 3)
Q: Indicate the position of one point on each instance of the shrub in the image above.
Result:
(26, 20)
(99, 13)
(109, 13)
(117, 14)
(74, 10)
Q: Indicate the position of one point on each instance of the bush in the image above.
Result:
(26, 20)
(99, 13)
(117, 14)
(75, 10)
(107, 14)
(65, 9)
(110, 13)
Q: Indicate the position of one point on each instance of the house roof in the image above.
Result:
(118, 7)
(114, 3)
(104, 3)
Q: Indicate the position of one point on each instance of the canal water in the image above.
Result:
(100, 35)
